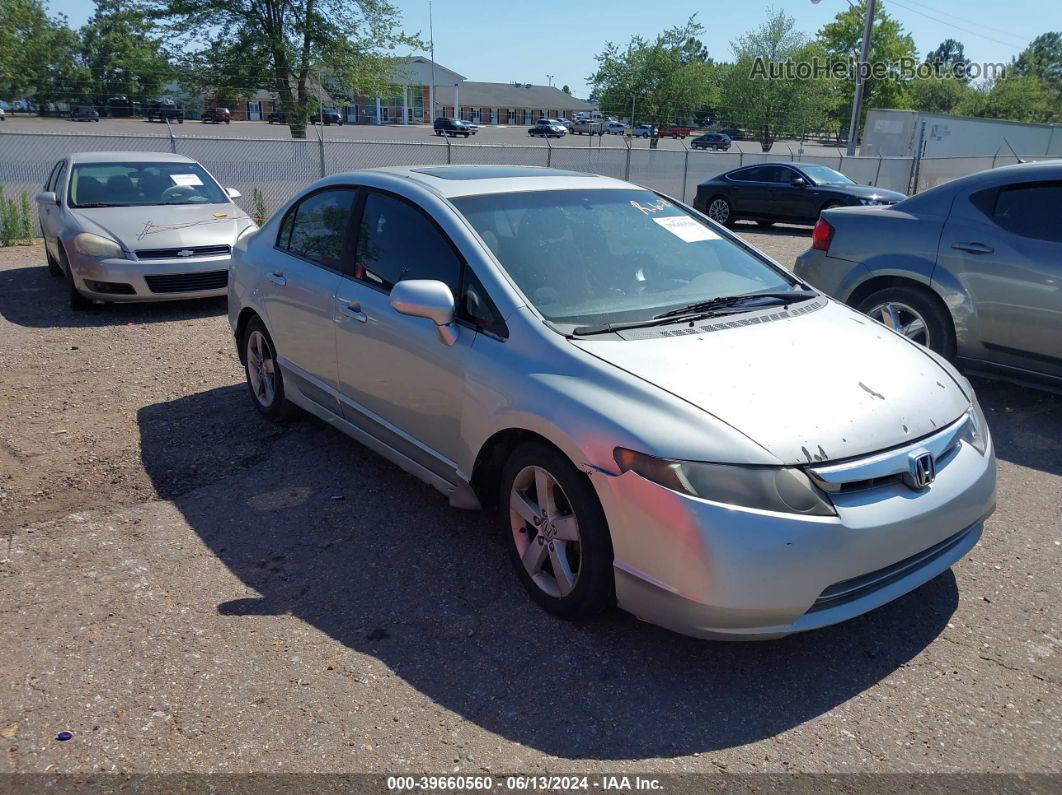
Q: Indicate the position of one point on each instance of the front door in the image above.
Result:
(254, 111)
(398, 381)
(298, 292)
(1005, 246)
(49, 213)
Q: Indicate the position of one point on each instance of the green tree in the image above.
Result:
(121, 55)
(758, 94)
(949, 58)
(296, 49)
(36, 52)
(653, 80)
(566, 89)
(939, 93)
(1024, 98)
(1042, 59)
(842, 40)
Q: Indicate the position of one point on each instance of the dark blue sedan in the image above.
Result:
(793, 193)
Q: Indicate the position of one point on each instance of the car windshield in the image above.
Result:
(824, 175)
(139, 184)
(588, 257)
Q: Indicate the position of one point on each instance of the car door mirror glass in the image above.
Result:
(47, 197)
(233, 193)
(429, 299)
(799, 182)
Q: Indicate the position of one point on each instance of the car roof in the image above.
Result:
(128, 157)
(453, 181)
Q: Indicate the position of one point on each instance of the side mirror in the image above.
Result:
(429, 299)
(47, 197)
(799, 182)
(233, 193)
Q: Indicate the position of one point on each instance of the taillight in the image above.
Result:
(822, 235)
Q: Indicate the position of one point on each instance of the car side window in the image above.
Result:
(1030, 210)
(60, 178)
(316, 228)
(757, 174)
(50, 184)
(476, 308)
(397, 241)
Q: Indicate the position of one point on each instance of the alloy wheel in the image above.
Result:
(261, 368)
(719, 211)
(545, 531)
(903, 319)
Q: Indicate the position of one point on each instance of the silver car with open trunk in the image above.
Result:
(664, 418)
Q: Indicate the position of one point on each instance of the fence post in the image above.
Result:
(627, 168)
(173, 141)
(321, 148)
(549, 153)
(916, 164)
(877, 174)
(447, 139)
(685, 170)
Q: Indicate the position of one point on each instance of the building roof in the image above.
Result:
(509, 95)
(417, 70)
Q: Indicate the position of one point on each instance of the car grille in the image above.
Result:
(187, 282)
(175, 253)
(849, 590)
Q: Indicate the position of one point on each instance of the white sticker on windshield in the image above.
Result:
(186, 179)
(686, 228)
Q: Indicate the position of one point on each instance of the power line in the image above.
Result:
(1009, 45)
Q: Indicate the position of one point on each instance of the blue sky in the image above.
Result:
(510, 40)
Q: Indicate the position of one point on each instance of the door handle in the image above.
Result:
(353, 309)
(973, 248)
(278, 278)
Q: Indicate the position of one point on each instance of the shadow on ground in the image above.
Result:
(328, 532)
(34, 298)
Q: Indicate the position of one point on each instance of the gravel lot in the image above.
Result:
(363, 132)
(187, 588)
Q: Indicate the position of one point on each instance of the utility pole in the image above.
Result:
(431, 38)
(857, 100)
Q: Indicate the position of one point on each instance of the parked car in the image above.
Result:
(165, 110)
(84, 113)
(138, 226)
(119, 106)
(327, 116)
(644, 131)
(472, 127)
(277, 117)
(971, 268)
(547, 128)
(675, 131)
(3, 115)
(568, 123)
(793, 193)
(734, 133)
(23, 106)
(451, 127)
(217, 115)
(616, 128)
(716, 141)
(588, 127)
(439, 315)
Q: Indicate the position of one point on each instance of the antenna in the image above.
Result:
(1011, 148)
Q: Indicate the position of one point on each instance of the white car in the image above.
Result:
(616, 128)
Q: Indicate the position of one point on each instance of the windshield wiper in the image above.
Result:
(605, 328)
(723, 301)
(98, 204)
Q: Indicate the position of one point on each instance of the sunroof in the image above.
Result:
(496, 172)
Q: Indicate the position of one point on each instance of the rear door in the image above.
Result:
(298, 293)
(1005, 246)
(754, 190)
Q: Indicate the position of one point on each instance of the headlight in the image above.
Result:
(782, 489)
(95, 246)
(871, 202)
(975, 433)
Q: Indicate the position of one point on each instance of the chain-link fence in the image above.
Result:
(280, 167)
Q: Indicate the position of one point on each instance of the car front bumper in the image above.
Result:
(175, 279)
(715, 571)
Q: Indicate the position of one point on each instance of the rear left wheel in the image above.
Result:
(558, 537)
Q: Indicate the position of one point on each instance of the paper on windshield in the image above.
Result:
(684, 227)
(186, 179)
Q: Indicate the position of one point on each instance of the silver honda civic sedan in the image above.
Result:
(138, 226)
(664, 418)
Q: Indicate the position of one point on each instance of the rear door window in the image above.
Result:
(1031, 210)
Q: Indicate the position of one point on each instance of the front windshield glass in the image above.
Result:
(824, 175)
(140, 184)
(587, 257)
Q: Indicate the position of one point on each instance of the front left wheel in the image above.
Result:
(558, 537)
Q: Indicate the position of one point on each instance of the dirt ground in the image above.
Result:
(188, 588)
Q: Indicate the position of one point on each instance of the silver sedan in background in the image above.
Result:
(663, 417)
(971, 268)
(138, 226)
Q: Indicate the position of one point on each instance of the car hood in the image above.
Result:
(867, 192)
(825, 385)
(167, 226)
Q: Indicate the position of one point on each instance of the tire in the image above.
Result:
(78, 302)
(588, 587)
(228, 121)
(53, 266)
(723, 211)
(912, 312)
(265, 381)
(180, 121)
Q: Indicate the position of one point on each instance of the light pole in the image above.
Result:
(857, 101)
(549, 79)
(431, 37)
